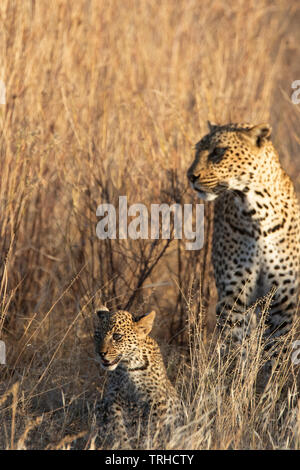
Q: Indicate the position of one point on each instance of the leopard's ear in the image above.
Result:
(259, 134)
(144, 324)
(101, 310)
(211, 126)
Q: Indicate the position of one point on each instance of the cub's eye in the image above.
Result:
(217, 154)
(117, 336)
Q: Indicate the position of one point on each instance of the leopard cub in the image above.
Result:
(139, 397)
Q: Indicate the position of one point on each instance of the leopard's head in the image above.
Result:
(118, 336)
(229, 157)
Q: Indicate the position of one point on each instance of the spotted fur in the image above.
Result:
(138, 391)
(256, 241)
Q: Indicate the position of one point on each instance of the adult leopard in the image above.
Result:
(256, 238)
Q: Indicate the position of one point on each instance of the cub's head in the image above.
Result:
(229, 158)
(118, 335)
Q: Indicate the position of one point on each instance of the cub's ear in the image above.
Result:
(101, 310)
(144, 324)
(259, 134)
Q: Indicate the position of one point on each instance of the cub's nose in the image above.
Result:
(192, 177)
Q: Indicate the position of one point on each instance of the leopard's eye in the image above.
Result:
(117, 336)
(217, 154)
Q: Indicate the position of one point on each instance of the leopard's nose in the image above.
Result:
(102, 354)
(192, 177)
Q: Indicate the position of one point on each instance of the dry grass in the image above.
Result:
(106, 99)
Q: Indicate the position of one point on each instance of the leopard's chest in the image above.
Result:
(249, 218)
(134, 387)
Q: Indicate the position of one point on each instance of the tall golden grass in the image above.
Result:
(108, 98)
